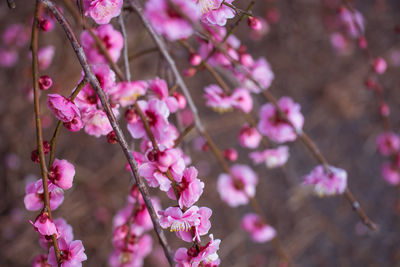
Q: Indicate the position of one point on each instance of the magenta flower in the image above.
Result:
(241, 99)
(274, 127)
(73, 253)
(237, 190)
(191, 257)
(170, 159)
(160, 89)
(214, 12)
(40, 261)
(62, 173)
(189, 187)
(260, 232)
(112, 40)
(102, 11)
(217, 99)
(272, 158)
(75, 125)
(390, 173)
(44, 225)
(34, 197)
(157, 114)
(126, 93)
(388, 143)
(64, 230)
(64, 109)
(168, 22)
(327, 181)
(249, 137)
(179, 221)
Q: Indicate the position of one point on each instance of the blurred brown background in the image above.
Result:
(340, 115)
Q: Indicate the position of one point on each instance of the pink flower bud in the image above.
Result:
(74, 125)
(112, 138)
(45, 82)
(189, 72)
(62, 173)
(246, 60)
(384, 109)
(254, 23)
(181, 99)
(35, 156)
(195, 59)
(370, 84)
(44, 24)
(231, 154)
(379, 65)
(362, 42)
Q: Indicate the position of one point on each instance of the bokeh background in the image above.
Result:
(341, 116)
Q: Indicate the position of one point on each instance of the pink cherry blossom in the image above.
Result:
(199, 230)
(379, 65)
(170, 160)
(191, 257)
(62, 173)
(40, 261)
(217, 99)
(75, 125)
(160, 89)
(352, 21)
(126, 93)
(249, 137)
(138, 249)
(96, 123)
(112, 40)
(102, 11)
(388, 143)
(259, 231)
(154, 177)
(189, 187)
(157, 114)
(34, 197)
(390, 173)
(276, 128)
(64, 230)
(177, 220)
(45, 56)
(64, 109)
(241, 99)
(44, 225)
(271, 157)
(214, 12)
(327, 181)
(238, 189)
(168, 22)
(261, 71)
(73, 253)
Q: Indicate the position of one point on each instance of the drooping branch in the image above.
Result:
(111, 117)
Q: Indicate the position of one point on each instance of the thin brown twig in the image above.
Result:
(142, 53)
(125, 50)
(185, 132)
(39, 134)
(119, 134)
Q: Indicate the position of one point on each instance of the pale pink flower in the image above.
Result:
(96, 123)
(112, 40)
(275, 127)
(154, 177)
(388, 143)
(272, 158)
(249, 137)
(214, 12)
(44, 225)
(217, 99)
(352, 21)
(34, 197)
(261, 72)
(126, 93)
(102, 11)
(199, 230)
(241, 99)
(63, 108)
(178, 221)
(192, 258)
(45, 56)
(8, 57)
(189, 187)
(160, 89)
(238, 189)
(170, 160)
(138, 248)
(73, 253)
(166, 21)
(62, 174)
(156, 112)
(259, 231)
(379, 65)
(327, 181)
(390, 173)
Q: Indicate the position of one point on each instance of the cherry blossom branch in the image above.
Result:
(58, 127)
(39, 134)
(125, 50)
(119, 134)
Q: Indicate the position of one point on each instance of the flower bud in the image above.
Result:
(45, 82)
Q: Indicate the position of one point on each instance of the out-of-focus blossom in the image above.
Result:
(271, 157)
(102, 11)
(327, 181)
(260, 232)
